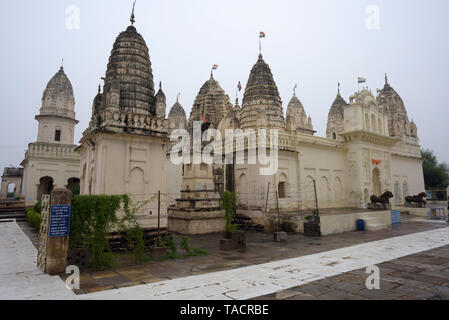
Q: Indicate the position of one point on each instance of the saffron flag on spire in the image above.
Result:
(262, 34)
(239, 86)
(203, 118)
(215, 67)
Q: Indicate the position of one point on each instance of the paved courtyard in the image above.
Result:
(424, 275)
(413, 259)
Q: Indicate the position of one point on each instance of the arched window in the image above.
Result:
(334, 135)
(324, 190)
(367, 124)
(397, 196)
(338, 191)
(404, 191)
(45, 136)
(282, 186)
(373, 123)
(309, 191)
(58, 134)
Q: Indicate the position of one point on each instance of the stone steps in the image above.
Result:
(373, 223)
(8, 216)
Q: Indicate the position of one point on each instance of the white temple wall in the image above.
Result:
(174, 181)
(326, 166)
(407, 178)
(128, 164)
(59, 169)
(48, 126)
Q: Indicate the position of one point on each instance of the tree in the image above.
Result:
(436, 175)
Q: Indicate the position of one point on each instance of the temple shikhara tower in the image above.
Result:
(51, 161)
(124, 149)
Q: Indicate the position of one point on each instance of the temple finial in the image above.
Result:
(339, 85)
(177, 97)
(386, 78)
(160, 85)
(132, 14)
(294, 88)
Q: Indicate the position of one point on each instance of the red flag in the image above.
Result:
(203, 118)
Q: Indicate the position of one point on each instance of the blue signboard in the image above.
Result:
(395, 216)
(59, 221)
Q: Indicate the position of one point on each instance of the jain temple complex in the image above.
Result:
(370, 147)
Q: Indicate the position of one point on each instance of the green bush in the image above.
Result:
(227, 203)
(34, 218)
(172, 252)
(76, 190)
(92, 219)
(38, 207)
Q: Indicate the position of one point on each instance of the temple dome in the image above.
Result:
(129, 71)
(296, 116)
(212, 102)
(58, 98)
(337, 107)
(160, 95)
(392, 104)
(231, 121)
(335, 119)
(261, 99)
(391, 100)
(177, 111)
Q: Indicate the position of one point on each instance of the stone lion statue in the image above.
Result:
(416, 201)
(383, 199)
(382, 202)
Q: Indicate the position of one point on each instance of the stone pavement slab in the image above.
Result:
(20, 278)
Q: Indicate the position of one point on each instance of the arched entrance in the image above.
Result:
(73, 184)
(137, 184)
(242, 190)
(366, 198)
(377, 189)
(45, 187)
(11, 192)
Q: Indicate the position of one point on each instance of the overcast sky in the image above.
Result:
(315, 44)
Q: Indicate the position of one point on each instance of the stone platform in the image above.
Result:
(333, 220)
(191, 221)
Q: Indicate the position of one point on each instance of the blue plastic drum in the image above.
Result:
(360, 225)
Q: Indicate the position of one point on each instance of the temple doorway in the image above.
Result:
(45, 187)
(11, 191)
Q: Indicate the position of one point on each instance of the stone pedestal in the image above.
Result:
(198, 210)
(379, 206)
(280, 236)
(52, 253)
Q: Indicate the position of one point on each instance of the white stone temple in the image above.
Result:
(51, 161)
(370, 146)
